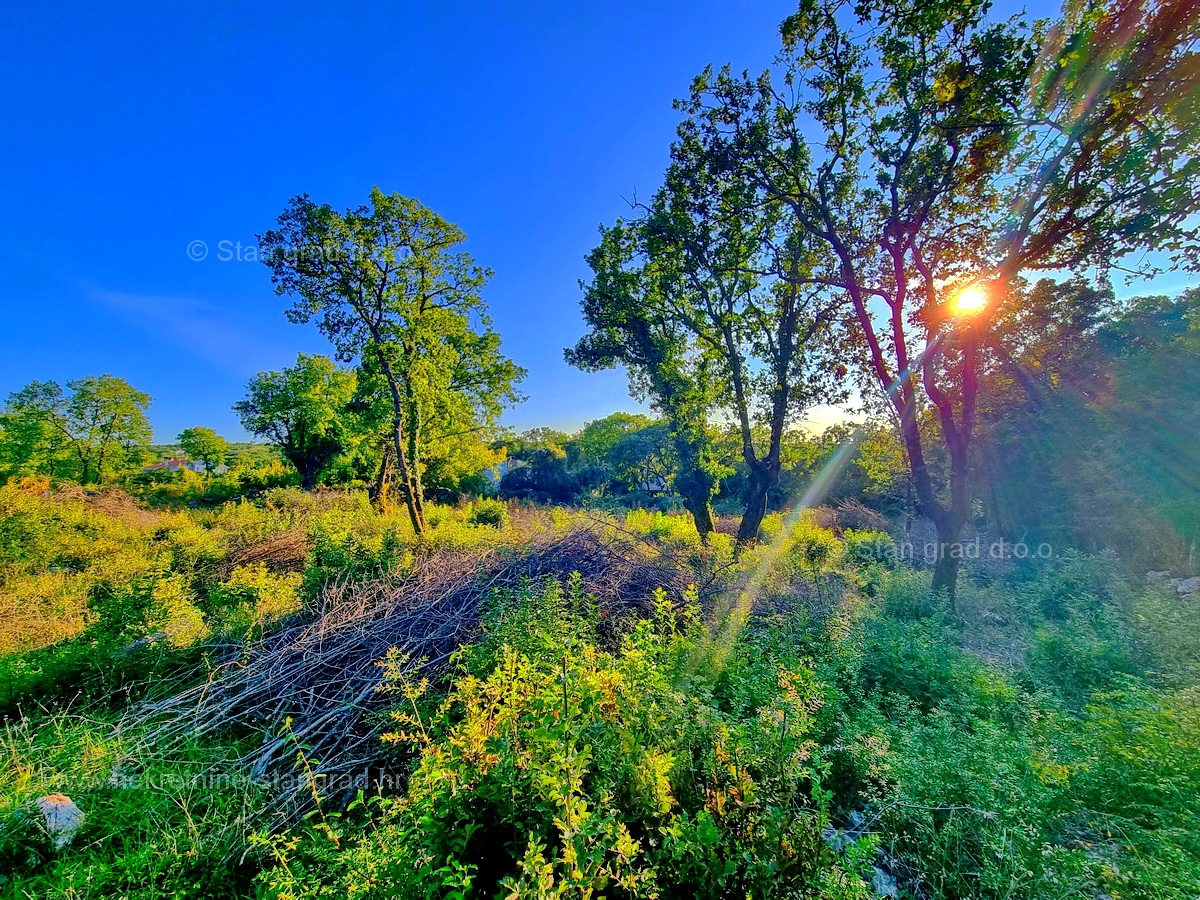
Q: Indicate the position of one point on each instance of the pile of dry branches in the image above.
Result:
(112, 502)
(282, 553)
(323, 674)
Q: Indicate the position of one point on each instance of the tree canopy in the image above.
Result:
(205, 445)
(89, 432)
(300, 410)
(924, 150)
(390, 287)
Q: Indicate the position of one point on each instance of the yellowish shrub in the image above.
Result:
(253, 595)
(174, 613)
(40, 609)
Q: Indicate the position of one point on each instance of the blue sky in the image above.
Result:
(129, 131)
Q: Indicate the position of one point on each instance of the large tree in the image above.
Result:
(739, 289)
(624, 309)
(933, 155)
(91, 431)
(455, 446)
(301, 410)
(390, 286)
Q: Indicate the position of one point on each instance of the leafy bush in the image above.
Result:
(253, 595)
(54, 552)
(1169, 632)
(677, 530)
(350, 557)
(567, 770)
(488, 511)
(918, 666)
(1074, 663)
(971, 816)
(1136, 775)
(905, 594)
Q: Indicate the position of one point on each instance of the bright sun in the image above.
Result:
(970, 301)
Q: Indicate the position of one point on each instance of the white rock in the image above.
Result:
(63, 818)
(1188, 585)
(1152, 577)
(883, 884)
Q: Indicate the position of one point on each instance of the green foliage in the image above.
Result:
(1135, 772)
(905, 594)
(600, 437)
(913, 665)
(542, 476)
(554, 768)
(490, 512)
(1083, 642)
(1033, 801)
(1062, 779)
(1096, 445)
(1169, 633)
(684, 297)
(253, 595)
(53, 554)
(301, 411)
(155, 824)
(389, 286)
(672, 530)
(574, 748)
(349, 557)
(205, 445)
(93, 432)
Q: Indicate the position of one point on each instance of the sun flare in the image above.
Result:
(970, 300)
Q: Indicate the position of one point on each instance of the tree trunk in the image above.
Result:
(412, 488)
(696, 502)
(949, 559)
(378, 492)
(947, 520)
(84, 468)
(694, 483)
(414, 450)
(762, 479)
(416, 513)
(958, 438)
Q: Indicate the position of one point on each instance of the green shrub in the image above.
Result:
(1079, 586)
(1168, 629)
(677, 530)
(54, 552)
(812, 547)
(905, 593)
(1137, 777)
(863, 547)
(971, 818)
(567, 770)
(350, 557)
(1074, 662)
(918, 665)
(488, 511)
(253, 595)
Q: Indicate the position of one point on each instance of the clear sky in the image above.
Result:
(128, 131)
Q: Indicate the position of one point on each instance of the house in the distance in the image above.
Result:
(494, 473)
(178, 463)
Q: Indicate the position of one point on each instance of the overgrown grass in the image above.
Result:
(1042, 742)
(1062, 777)
(156, 824)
